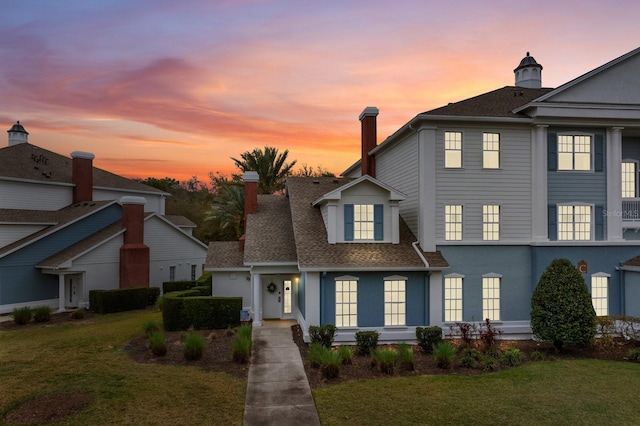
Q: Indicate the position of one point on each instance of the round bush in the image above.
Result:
(561, 307)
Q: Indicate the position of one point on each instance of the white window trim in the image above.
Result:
(499, 151)
(499, 276)
(444, 221)
(396, 278)
(600, 275)
(592, 224)
(591, 152)
(444, 312)
(444, 146)
(637, 174)
(499, 221)
(346, 278)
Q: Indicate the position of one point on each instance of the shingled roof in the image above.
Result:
(269, 235)
(497, 103)
(30, 162)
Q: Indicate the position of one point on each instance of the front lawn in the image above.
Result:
(586, 392)
(88, 358)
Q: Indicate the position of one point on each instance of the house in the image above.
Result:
(67, 228)
(455, 216)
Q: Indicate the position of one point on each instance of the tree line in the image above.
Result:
(217, 206)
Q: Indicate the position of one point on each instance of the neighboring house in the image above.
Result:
(455, 216)
(67, 227)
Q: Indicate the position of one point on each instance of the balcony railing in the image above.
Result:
(631, 210)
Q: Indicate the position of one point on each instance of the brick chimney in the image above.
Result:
(134, 254)
(369, 140)
(250, 199)
(82, 176)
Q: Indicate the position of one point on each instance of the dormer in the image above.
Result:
(363, 211)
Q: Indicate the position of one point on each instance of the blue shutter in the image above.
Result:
(599, 220)
(348, 222)
(378, 228)
(598, 150)
(552, 151)
(552, 221)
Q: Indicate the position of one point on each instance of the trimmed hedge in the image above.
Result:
(153, 294)
(185, 309)
(124, 299)
(206, 280)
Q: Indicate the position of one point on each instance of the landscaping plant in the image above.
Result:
(193, 346)
(512, 357)
(488, 334)
(241, 344)
(323, 334)
(406, 359)
(42, 314)
(151, 326)
(561, 307)
(634, 355)
(366, 341)
(21, 315)
(384, 359)
(346, 354)
(157, 343)
(444, 353)
(427, 337)
(315, 353)
(330, 363)
(470, 357)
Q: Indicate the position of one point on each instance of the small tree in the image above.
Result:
(561, 307)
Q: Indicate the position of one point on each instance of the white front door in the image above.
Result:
(271, 298)
(72, 290)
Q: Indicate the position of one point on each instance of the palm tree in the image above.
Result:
(271, 166)
(227, 211)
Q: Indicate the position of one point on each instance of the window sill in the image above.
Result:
(395, 327)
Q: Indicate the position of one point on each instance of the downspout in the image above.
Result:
(415, 247)
(622, 288)
(426, 282)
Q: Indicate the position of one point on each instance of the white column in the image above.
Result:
(61, 297)
(435, 298)
(427, 188)
(395, 222)
(332, 221)
(614, 184)
(539, 167)
(257, 300)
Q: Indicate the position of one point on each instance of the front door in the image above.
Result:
(271, 299)
(72, 290)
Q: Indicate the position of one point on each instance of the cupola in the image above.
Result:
(529, 73)
(17, 134)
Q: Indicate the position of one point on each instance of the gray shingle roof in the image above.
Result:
(180, 221)
(225, 254)
(497, 103)
(269, 235)
(29, 162)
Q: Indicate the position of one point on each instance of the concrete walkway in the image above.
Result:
(278, 391)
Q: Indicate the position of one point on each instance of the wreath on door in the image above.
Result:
(271, 288)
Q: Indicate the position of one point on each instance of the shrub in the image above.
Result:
(315, 353)
(385, 359)
(152, 295)
(185, 309)
(444, 352)
(634, 355)
(470, 357)
(406, 359)
(21, 315)
(151, 326)
(561, 307)
(366, 341)
(538, 356)
(160, 302)
(118, 300)
(241, 347)
(157, 343)
(493, 352)
(490, 363)
(512, 357)
(78, 314)
(245, 331)
(323, 334)
(346, 354)
(193, 346)
(42, 314)
(427, 337)
(488, 334)
(465, 331)
(330, 363)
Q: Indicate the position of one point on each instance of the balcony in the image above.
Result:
(630, 213)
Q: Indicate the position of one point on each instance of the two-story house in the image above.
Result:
(455, 216)
(67, 228)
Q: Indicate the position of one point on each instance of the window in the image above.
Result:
(491, 297)
(629, 173)
(599, 293)
(453, 149)
(363, 222)
(574, 152)
(453, 298)
(453, 222)
(491, 222)
(574, 223)
(193, 272)
(346, 303)
(395, 301)
(172, 273)
(491, 150)
(287, 297)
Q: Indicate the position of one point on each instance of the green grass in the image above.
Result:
(90, 358)
(585, 392)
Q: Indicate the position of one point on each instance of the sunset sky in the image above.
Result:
(175, 88)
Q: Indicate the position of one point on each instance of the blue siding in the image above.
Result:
(512, 262)
(632, 293)
(371, 298)
(599, 259)
(21, 282)
(302, 305)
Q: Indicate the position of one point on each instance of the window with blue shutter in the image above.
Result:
(552, 151)
(552, 221)
(598, 150)
(599, 220)
(378, 228)
(348, 222)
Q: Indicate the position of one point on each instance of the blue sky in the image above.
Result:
(165, 88)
